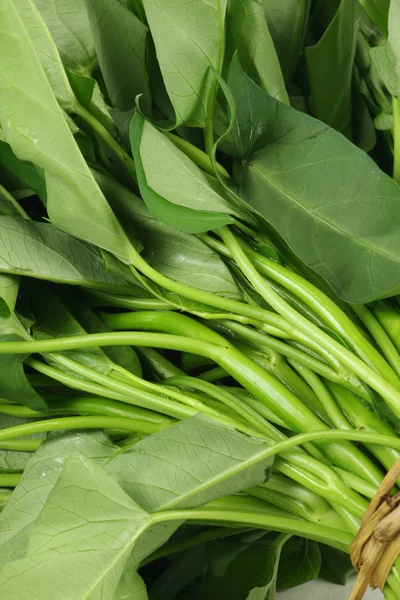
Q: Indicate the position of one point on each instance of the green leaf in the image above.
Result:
(81, 540)
(378, 11)
(9, 286)
(247, 23)
(242, 570)
(130, 587)
(39, 477)
(40, 250)
(330, 68)
(204, 461)
(183, 569)
(120, 41)
(336, 565)
(69, 26)
(11, 460)
(328, 200)
(251, 106)
(26, 172)
(175, 190)
(35, 128)
(300, 562)
(287, 22)
(188, 38)
(386, 57)
(173, 253)
(14, 384)
(88, 93)
(46, 51)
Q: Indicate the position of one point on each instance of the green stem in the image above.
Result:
(162, 367)
(380, 336)
(396, 139)
(213, 375)
(9, 479)
(294, 526)
(119, 152)
(199, 157)
(21, 445)
(390, 393)
(130, 302)
(122, 423)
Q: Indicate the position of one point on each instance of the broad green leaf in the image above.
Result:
(300, 562)
(14, 384)
(189, 38)
(330, 69)
(251, 107)
(328, 200)
(11, 460)
(287, 22)
(120, 41)
(69, 26)
(41, 251)
(25, 172)
(46, 51)
(378, 11)
(175, 190)
(35, 128)
(39, 477)
(240, 570)
(81, 539)
(204, 461)
(386, 57)
(251, 37)
(173, 253)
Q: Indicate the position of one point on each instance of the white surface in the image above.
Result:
(322, 590)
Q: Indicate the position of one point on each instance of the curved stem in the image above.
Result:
(260, 520)
(386, 389)
(9, 479)
(199, 157)
(21, 445)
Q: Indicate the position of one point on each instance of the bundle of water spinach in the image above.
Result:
(199, 279)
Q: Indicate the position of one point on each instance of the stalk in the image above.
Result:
(385, 388)
(396, 139)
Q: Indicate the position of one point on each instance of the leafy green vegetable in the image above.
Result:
(120, 41)
(287, 22)
(321, 193)
(387, 55)
(74, 201)
(69, 26)
(175, 190)
(330, 69)
(300, 562)
(188, 38)
(255, 46)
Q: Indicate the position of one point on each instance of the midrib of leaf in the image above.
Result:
(319, 219)
(264, 453)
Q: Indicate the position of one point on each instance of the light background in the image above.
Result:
(322, 590)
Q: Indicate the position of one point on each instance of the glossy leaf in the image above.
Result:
(255, 47)
(387, 56)
(46, 51)
(176, 191)
(69, 26)
(173, 253)
(330, 69)
(287, 22)
(183, 569)
(120, 41)
(37, 131)
(321, 194)
(188, 37)
(40, 250)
